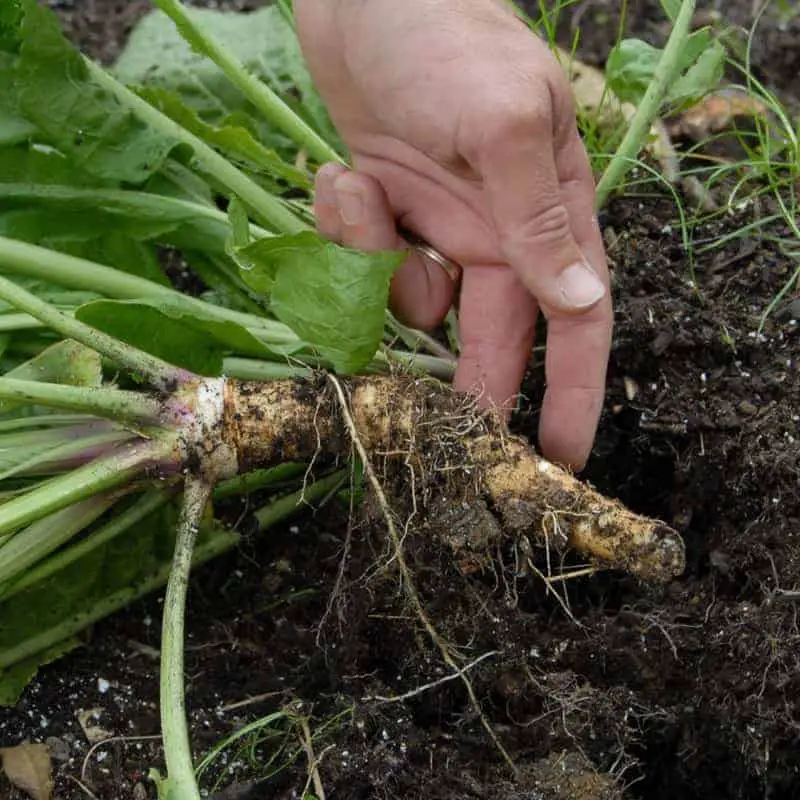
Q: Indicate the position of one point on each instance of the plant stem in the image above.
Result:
(18, 322)
(414, 338)
(174, 728)
(252, 369)
(258, 479)
(158, 372)
(146, 505)
(44, 421)
(120, 202)
(101, 475)
(79, 273)
(113, 404)
(69, 454)
(219, 542)
(649, 107)
(268, 209)
(284, 506)
(433, 365)
(46, 535)
(260, 95)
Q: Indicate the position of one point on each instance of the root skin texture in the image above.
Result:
(474, 484)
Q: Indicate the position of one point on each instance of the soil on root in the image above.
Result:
(612, 688)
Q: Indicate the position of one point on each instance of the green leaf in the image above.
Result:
(39, 612)
(671, 8)
(630, 68)
(332, 297)
(178, 181)
(225, 287)
(233, 141)
(13, 680)
(66, 362)
(157, 56)
(702, 77)
(43, 165)
(632, 64)
(126, 254)
(10, 15)
(184, 337)
(14, 127)
(150, 330)
(56, 92)
(46, 200)
(240, 224)
(53, 214)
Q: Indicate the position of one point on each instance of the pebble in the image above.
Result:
(747, 408)
(59, 749)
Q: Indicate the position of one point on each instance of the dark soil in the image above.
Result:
(690, 691)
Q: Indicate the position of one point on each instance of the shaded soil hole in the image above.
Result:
(691, 760)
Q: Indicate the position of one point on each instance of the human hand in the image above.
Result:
(461, 129)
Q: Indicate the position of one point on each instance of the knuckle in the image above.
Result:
(545, 227)
(560, 87)
(516, 115)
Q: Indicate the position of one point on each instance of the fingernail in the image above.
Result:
(580, 286)
(326, 177)
(325, 196)
(351, 206)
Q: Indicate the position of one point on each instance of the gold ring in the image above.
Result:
(452, 269)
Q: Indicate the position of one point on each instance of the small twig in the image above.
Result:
(568, 576)
(432, 685)
(111, 740)
(306, 742)
(249, 701)
(84, 788)
(405, 572)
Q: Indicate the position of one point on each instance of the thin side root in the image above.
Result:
(405, 572)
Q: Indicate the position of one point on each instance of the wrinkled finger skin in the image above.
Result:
(461, 128)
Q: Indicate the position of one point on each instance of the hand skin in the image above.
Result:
(461, 128)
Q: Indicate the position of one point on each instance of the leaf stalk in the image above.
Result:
(259, 94)
(648, 109)
(177, 748)
(270, 210)
(158, 372)
(114, 404)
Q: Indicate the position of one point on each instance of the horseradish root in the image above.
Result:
(471, 482)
